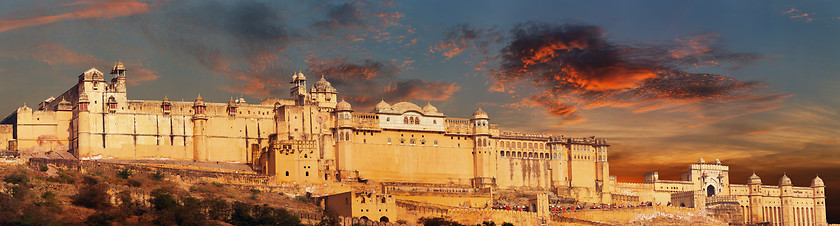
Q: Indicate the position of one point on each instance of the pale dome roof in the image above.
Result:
(199, 100)
(382, 105)
(323, 85)
(406, 106)
(343, 106)
(480, 114)
(785, 181)
(817, 182)
(429, 108)
(754, 179)
(118, 67)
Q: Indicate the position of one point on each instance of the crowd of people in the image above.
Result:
(560, 208)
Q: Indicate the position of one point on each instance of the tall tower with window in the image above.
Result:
(483, 154)
(298, 90)
(786, 187)
(819, 201)
(119, 77)
(754, 215)
(199, 118)
(344, 138)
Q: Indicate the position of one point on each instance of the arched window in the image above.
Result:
(287, 173)
(346, 136)
(405, 119)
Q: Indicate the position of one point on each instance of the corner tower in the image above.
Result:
(819, 201)
(755, 195)
(483, 156)
(199, 130)
(118, 82)
(324, 94)
(786, 187)
(298, 90)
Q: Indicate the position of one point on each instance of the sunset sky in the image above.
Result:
(753, 83)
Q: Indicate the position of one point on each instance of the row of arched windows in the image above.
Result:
(773, 214)
(522, 145)
(519, 154)
(411, 120)
(343, 136)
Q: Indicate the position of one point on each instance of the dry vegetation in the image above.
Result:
(50, 196)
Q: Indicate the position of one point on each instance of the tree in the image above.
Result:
(92, 195)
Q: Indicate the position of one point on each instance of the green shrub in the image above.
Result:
(162, 200)
(157, 176)
(103, 219)
(66, 178)
(92, 195)
(49, 199)
(218, 185)
(17, 178)
(124, 173)
(217, 209)
(44, 168)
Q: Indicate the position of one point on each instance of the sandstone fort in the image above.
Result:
(413, 159)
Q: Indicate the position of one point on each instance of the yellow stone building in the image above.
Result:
(707, 185)
(312, 137)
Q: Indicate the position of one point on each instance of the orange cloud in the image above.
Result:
(105, 10)
(54, 53)
(796, 14)
(140, 75)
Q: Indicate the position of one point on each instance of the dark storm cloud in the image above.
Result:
(366, 82)
(575, 66)
(342, 15)
(463, 36)
(248, 41)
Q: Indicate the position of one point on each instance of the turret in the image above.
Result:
(82, 147)
(200, 142)
(119, 80)
(344, 137)
(232, 106)
(786, 192)
(481, 123)
(819, 201)
(324, 93)
(83, 102)
(166, 106)
(755, 196)
(483, 155)
(298, 90)
(64, 105)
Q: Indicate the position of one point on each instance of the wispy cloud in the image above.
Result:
(798, 15)
(366, 82)
(85, 10)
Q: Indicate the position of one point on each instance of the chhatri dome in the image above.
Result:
(480, 114)
(785, 181)
(382, 106)
(343, 106)
(429, 108)
(323, 85)
(817, 182)
(754, 179)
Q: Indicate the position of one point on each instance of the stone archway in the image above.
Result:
(710, 190)
(383, 219)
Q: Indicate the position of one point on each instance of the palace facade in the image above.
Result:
(313, 138)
